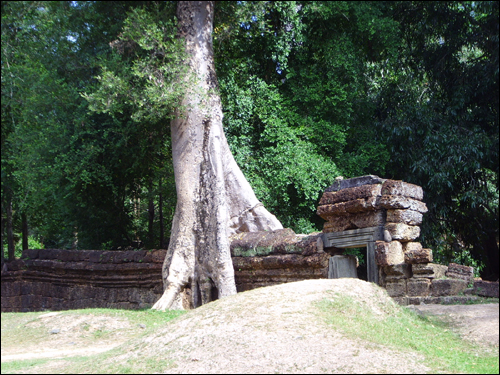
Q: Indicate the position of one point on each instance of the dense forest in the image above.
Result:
(310, 91)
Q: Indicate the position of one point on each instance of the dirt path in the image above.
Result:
(477, 323)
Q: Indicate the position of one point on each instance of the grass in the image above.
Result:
(17, 332)
(404, 330)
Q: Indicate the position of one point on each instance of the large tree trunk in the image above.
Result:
(214, 199)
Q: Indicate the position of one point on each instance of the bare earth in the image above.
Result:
(274, 329)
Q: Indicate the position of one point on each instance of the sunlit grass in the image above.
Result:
(404, 330)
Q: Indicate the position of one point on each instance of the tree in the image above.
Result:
(437, 112)
(213, 197)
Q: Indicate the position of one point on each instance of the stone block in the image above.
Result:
(397, 187)
(349, 194)
(388, 253)
(414, 253)
(30, 254)
(418, 287)
(447, 287)
(398, 271)
(158, 256)
(396, 288)
(486, 288)
(429, 270)
(399, 202)
(457, 271)
(355, 182)
(409, 217)
(354, 221)
(403, 232)
(341, 266)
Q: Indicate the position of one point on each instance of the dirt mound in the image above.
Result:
(276, 329)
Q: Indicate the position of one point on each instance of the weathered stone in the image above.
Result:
(418, 287)
(429, 270)
(398, 271)
(349, 194)
(387, 236)
(341, 266)
(412, 246)
(354, 221)
(328, 210)
(397, 187)
(403, 232)
(486, 288)
(416, 254)
(346, 208)
(264, 243)
(281, 241)
(337, 224)
(447, 287)
(404, 216)
(457, 271)
(388, 253)
(354, 182)
(396, 288)
(281, 261)
(400, 202)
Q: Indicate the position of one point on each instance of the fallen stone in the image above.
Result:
(447, 287)
(403, 232)
(397, 187)
(486, 288)
(457, 271)
(388, 253)
(404, 216)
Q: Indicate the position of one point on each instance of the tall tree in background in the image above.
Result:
(438, 115)
(213, 197)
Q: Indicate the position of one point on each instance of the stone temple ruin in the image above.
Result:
(384, 215)
(368, 212)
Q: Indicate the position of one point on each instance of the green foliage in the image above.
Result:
(310, 91)
(438, 114)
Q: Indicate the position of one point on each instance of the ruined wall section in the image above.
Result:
(405, 267)
(53, 279)
(268, 258)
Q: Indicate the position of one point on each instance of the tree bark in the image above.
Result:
(10, 231)
(24, 220)
(214, 199)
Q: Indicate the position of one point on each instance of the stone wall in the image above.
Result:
(53, 279)
(275, 257)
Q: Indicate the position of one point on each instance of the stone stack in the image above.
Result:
(405, 267)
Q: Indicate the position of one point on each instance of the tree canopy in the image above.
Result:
(310, 91)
